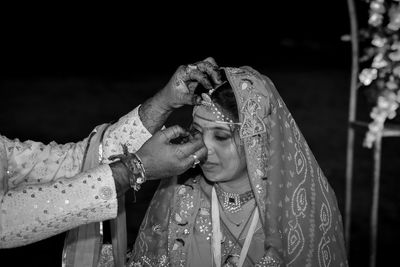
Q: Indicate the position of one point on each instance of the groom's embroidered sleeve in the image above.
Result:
(30, 171)
(128, 130)
(35, 212)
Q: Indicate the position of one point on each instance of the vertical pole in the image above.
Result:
(351, 119)
(349, 181)
(375, 199)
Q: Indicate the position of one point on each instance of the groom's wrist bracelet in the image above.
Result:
(135, 166)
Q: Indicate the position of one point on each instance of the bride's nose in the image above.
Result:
(208, 143)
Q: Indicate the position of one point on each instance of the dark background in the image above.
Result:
(64, 72)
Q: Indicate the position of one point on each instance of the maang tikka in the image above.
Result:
(207, 102)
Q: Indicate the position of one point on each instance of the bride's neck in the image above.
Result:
(239, 185)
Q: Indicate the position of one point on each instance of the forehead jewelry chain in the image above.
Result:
(232, 202)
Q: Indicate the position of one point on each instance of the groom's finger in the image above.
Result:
(211, 60)
(211, 70)
(190, 147)
(201, 77)
(171, 133)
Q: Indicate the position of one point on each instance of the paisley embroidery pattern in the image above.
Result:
(324, 251)
(252, 123)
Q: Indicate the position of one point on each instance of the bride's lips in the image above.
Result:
(209, 165)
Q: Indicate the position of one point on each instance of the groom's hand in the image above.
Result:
(180, 89)
(163, 159)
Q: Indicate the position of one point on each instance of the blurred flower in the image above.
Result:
(395, 55)
(396, 71)
(394, 16)
(382, 59)
(392, 85)
(368, 75)
(377, 6)
(383, 103)
(375, 19)
(369, 139)
(395, 45)
(378, 41)
(379, 62)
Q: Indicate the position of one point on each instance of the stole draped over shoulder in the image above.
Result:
(299, 215)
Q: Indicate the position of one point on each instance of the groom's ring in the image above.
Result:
(190, 68)
(196, 160)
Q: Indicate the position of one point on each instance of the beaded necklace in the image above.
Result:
(232, 202)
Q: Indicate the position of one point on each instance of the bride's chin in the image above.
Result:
(212, 177)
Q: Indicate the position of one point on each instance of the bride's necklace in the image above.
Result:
(232, 202)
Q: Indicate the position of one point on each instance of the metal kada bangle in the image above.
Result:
(140, 175)
(134, 165)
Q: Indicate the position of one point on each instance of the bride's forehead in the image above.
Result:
(204, 117)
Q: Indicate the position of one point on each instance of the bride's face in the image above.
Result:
(225, 160)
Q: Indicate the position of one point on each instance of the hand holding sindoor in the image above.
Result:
(161, 158)
(180, 89)
(158, 158)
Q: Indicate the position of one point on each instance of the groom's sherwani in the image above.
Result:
(43, 191)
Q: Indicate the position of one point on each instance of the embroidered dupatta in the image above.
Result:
(298, 209)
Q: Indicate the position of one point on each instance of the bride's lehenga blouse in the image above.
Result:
(288, 215)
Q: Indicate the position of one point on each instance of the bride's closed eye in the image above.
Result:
(221, 136)
(218, 134)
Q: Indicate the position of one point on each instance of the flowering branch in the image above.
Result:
(382, 60)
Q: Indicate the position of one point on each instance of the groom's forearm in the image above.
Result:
(153, 113)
